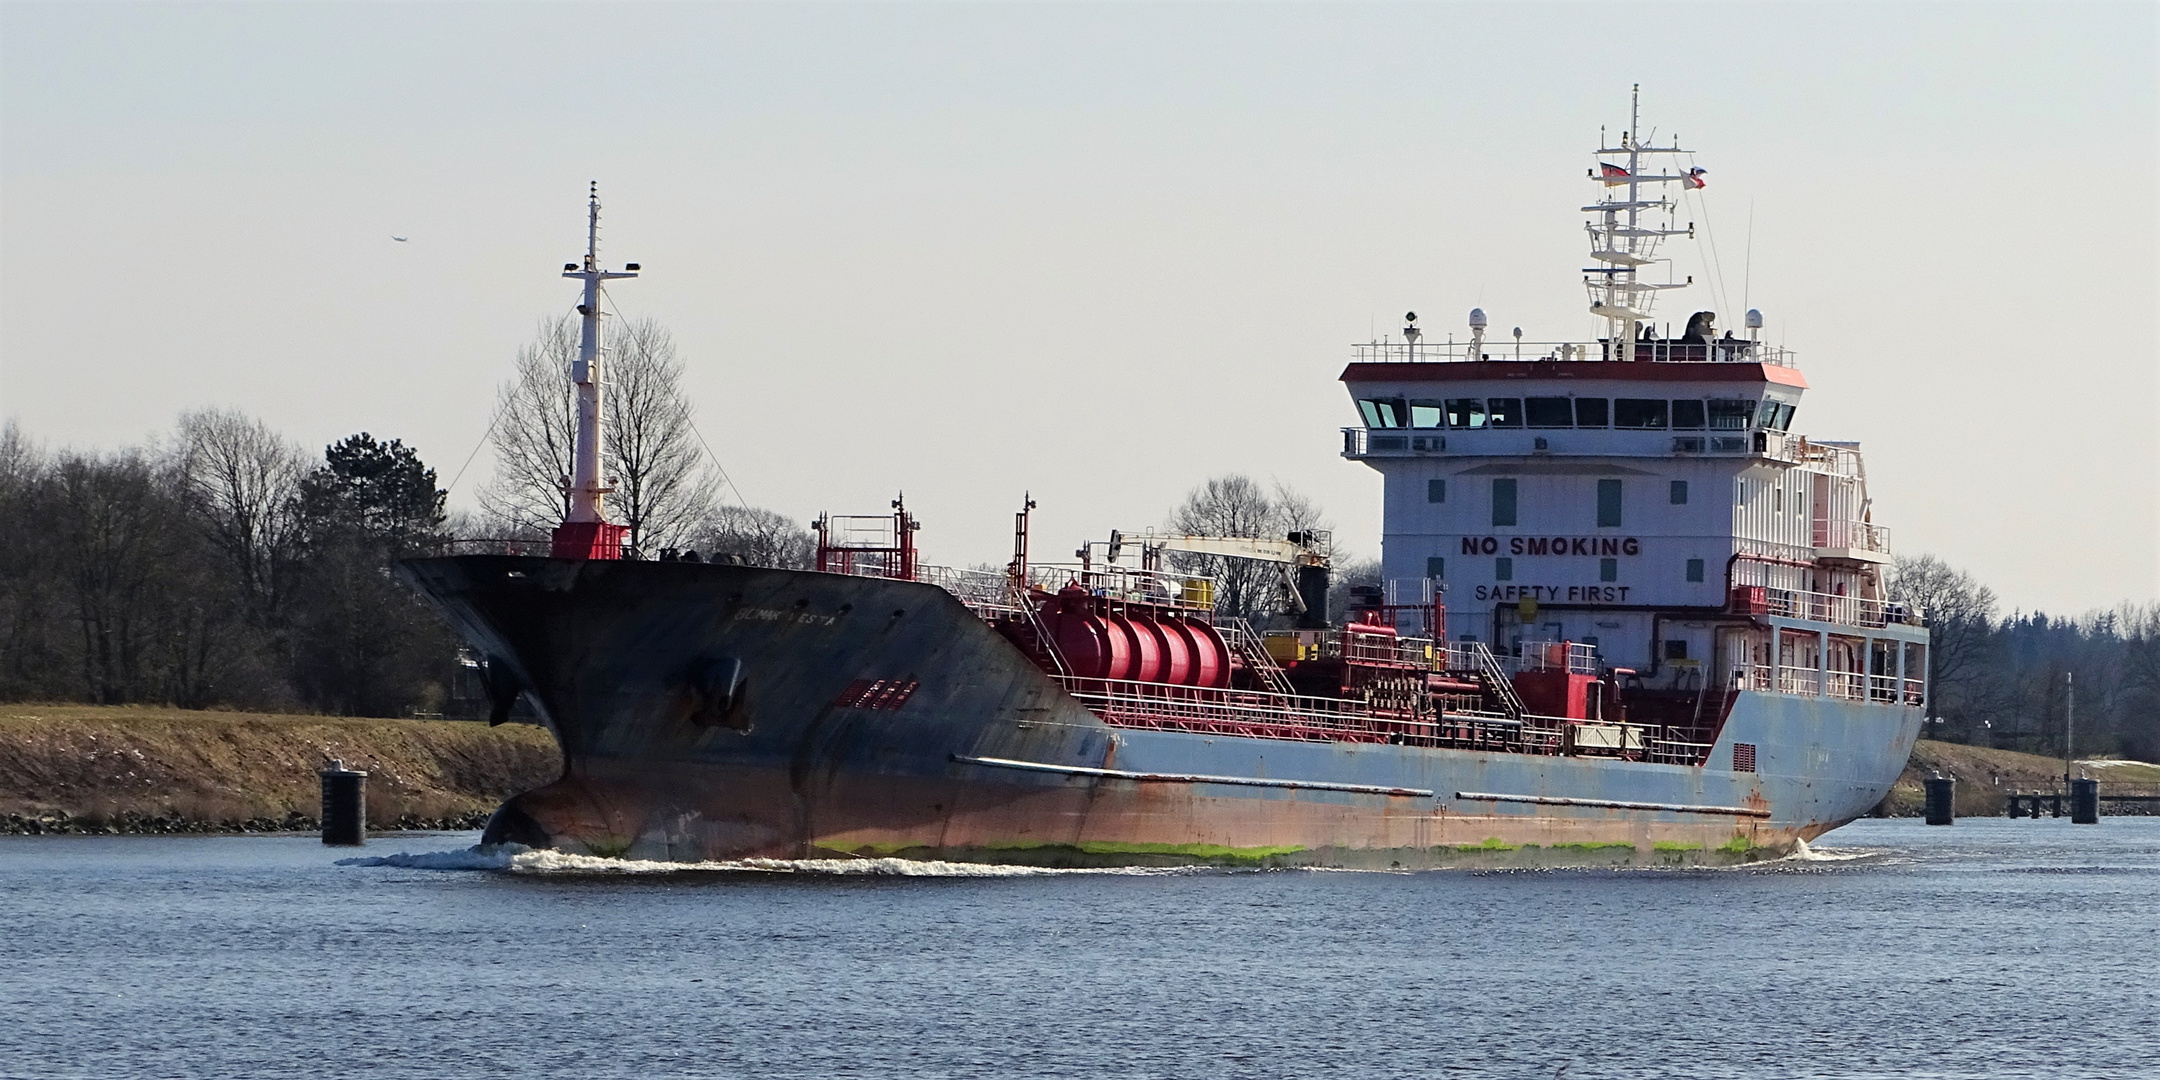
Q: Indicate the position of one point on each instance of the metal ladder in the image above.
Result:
(1496, 679)
(1240, 637)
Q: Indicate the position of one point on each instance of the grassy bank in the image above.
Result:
(1985, 777)
(79, 768)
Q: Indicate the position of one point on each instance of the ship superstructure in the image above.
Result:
(1629, 614)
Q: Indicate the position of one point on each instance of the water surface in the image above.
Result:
(1989, 948)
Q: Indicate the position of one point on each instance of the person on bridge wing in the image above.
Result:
(1700, 328)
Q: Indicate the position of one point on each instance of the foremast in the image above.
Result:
(1621, 240)
(585, 532)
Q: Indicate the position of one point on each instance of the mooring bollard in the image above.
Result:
(344, 805)
(1941, 797)
(2084, 802)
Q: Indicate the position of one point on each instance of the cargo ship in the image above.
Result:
(1628, 613)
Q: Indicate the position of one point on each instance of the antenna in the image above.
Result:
(586, 532)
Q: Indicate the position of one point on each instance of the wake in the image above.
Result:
(1803, 853)
(519, 859)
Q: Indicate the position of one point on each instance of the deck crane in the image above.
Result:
(1301, 554)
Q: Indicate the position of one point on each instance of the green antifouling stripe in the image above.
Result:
(1191, 778)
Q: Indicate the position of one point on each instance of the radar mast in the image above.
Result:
(1621, 241)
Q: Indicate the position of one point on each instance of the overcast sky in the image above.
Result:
(1096, 252)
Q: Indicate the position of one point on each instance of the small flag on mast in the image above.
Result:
(1612, 174)
(1694, 178)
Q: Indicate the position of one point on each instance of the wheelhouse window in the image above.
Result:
(1591, 412)
(1687, 414)
(1383, 412)
(1778, 416)
(1731, 415)
(1641, 413)
(1549, 412)
(1466, 412)
(1427, 412)
(1503, 412)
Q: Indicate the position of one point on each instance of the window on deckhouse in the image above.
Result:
(1466, 412)
(1639, 412)
(1426, 412)
(1608, 504)
(1591, 411)
(1504, 412)
(1549, 412)
(1731, 415)
(1687, 414)
(1503, 501)
(1383, 412)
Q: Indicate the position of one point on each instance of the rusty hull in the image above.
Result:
(625, 661)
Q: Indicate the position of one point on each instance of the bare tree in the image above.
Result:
(649, 452)
(662, 487)
(534, 434)
(1238, 506)
(757, 537)
(1960, 614)
(243, 484)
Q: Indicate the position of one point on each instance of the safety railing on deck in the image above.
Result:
(1852, 535)
(1823, 607)
(1572, 657)
(1728, 351)
(1846, 685)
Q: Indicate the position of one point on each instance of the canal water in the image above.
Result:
(1990, 948)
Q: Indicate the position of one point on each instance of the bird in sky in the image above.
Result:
(399, 239)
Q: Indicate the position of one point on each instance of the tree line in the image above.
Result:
(225, 565)
(222, 566)
(2000, 680)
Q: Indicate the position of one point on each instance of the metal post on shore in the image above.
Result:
(344, 805)
(2084, 801)
(1941, 799)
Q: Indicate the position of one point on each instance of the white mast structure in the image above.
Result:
(1622, 242)
(587, 532)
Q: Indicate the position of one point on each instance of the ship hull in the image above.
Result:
(982, 757)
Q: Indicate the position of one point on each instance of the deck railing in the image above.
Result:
(1845, 685)
(1729, 351)
(1854, 535)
